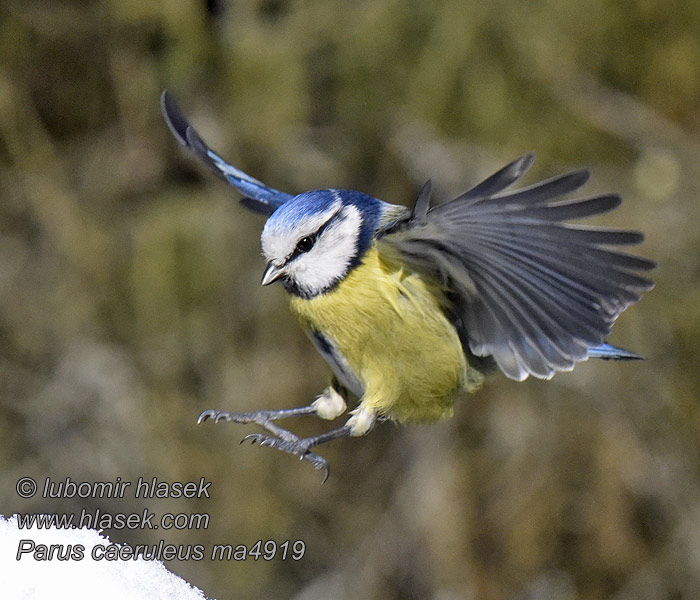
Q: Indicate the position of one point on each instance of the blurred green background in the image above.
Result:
(129, 296)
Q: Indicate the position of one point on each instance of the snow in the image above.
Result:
(80, 578)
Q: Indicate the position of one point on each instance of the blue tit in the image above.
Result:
(412, 307)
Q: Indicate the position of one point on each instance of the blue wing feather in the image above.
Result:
(256, 195)
(607, 351)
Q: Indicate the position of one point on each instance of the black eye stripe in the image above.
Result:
(307, 242)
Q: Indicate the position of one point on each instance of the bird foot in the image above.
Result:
(297, 447)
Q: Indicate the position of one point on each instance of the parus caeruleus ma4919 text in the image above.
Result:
(411, 307)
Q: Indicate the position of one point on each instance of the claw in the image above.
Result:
(222, 416)
(318, 463)
(207, 414)
(262, 439)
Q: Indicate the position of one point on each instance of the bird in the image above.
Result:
(413, 308)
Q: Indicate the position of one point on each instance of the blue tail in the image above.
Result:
(608, 352)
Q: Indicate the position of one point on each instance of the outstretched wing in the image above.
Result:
(534, 293)
(256, 195)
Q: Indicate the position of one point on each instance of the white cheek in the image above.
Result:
(330, 258)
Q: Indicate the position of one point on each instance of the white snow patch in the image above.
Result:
(30, 579)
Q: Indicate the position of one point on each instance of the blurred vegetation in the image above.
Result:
(129, 296)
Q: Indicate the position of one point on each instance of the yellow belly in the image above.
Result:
(395, 338)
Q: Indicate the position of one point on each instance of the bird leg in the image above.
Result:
(328, 405)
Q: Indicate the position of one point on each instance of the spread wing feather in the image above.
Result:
(500, 180)
(534, 293)
(256, 195)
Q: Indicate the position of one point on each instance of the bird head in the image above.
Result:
(314, 240)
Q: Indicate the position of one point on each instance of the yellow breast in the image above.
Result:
(395, 337)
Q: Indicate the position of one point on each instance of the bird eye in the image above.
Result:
(305, 244)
